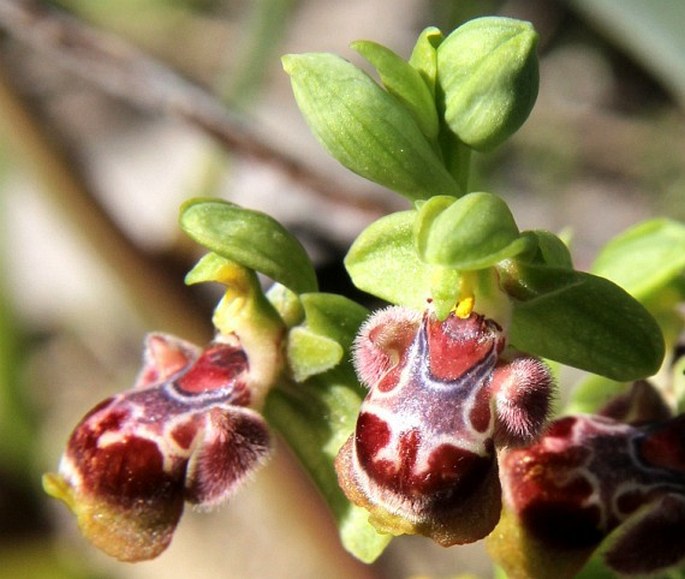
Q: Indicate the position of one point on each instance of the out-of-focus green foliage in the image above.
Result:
(651, 32)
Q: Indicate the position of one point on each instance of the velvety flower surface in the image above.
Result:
(588, 477)
(185, 432)
(442, 396)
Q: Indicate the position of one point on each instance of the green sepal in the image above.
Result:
(403, 82)
(470, 233)
(488, 74)
(365, 128)
(383, 262)
(581, 320)
(251, 239)
(424, 56)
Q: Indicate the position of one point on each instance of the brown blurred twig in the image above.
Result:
(127, 73)
(151, 286)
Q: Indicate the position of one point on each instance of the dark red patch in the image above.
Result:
(550, 507)
(457, 345)
(455, 470)
(480, 414)
(219, 366)
(452, 472)
(563, 524)
(630, 501)
(371, 435)
(129, 471)
(184, 433)
(84, 438)
(561, 428)
(664, 446)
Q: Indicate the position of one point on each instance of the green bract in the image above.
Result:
(470, 233)
(250, 238)
(581, 320)
(365, 128)
(488, 74)
(315, 419)
(403, 82)
(320, 343)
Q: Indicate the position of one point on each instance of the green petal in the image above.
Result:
(470, 233)
(550, 249)
(330, 325)
(310, 353)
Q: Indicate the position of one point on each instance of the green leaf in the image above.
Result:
(581, 320)
(651, 32)
(365, 128)
(592, 394)
(316, 418)
(403, 82)
(488, 73)
(383, 262)
(251, 239)
(424, 56)
(470, 233)
(645, 258)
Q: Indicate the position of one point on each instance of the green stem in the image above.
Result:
(456, 156)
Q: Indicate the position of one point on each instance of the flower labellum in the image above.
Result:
(590, 476)
(442, 397)
(185, 432)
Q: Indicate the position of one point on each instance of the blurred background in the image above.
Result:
(103, 133)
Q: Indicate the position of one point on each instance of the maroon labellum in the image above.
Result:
(589, 477)
(185, 432)
(442, 396)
